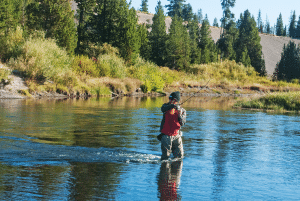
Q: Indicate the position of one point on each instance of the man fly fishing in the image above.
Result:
(173, 118)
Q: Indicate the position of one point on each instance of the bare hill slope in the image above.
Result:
(271, 45)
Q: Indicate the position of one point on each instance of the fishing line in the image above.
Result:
(195, 93)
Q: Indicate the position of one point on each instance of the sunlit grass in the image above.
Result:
(289, 101)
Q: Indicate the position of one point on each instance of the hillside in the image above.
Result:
(271, 45)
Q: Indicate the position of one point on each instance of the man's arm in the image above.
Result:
(182, 116)
(165, 107)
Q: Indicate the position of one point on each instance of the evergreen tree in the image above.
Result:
(228, 41)
(114, 23)
(56, 18)
(244, 57)
(227, 15)
(284, 31)
(206, 44)
(292, 28)
(128, 40)
(144, 6)
(249, 38)
(187, 12)
(10, 14)
(297, 35)
(200, 16)
(215, 24)
(178, 45)
(158, 36)
(84, 14)
(267, 27)
(206, 19)
(144, 43)
(288, 67)
(175, 8)
(259, 20)
(279, 26)
(194, 33)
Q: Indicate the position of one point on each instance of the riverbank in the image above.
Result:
(280, 101)
(16, 88)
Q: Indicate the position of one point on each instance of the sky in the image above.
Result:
(270, 8)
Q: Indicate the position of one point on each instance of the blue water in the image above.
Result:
(102, 149)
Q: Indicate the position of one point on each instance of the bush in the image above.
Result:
(110, 65)
(83, 65)
(11, 43)
(41, 60)
(149, 74)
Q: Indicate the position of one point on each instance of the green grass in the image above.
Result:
(289, 101)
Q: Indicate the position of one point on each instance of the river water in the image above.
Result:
(106, 149)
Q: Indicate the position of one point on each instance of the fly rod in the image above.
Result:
(195, 93)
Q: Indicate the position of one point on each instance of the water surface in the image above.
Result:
(106, 149)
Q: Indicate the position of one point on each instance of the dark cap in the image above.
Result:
(175, 95)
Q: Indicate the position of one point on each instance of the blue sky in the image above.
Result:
(213, 8)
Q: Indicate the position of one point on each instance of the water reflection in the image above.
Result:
(169, 180)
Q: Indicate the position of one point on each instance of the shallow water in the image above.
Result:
(103, 149)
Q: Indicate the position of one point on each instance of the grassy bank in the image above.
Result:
(47, 67)
(280, 101)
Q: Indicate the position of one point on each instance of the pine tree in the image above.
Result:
(116, 24)
(56, 18)
(279, 26)
(144, 6)
(84, 15)
(206, 19)
(249, 38)
(284, 31)
(175, 8)
(200, 16)
(194, 33)
(206, 44)
(259, 20)
(187, 12)
(267, 27)
(228, 41)
(178, 45)
(215, 24)
(128, 40)
(288, 67)
(144, 43)
(244, 57)
(297, 35)
(292, 28)
(158, 36)
(10, 14)
(227, 15)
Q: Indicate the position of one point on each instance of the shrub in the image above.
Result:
(11, 43)
(149, 74)
(41, 60)
(111, 65)
(83, 65)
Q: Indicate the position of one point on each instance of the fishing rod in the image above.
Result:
(195, 93)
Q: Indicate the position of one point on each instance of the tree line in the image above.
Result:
(97, 22)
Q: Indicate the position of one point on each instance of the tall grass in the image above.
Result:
(150, 74)
(276, 101)
(41, 60)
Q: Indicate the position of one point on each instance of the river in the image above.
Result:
(106, 149)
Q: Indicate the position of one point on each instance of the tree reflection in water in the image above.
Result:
(169, 180)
